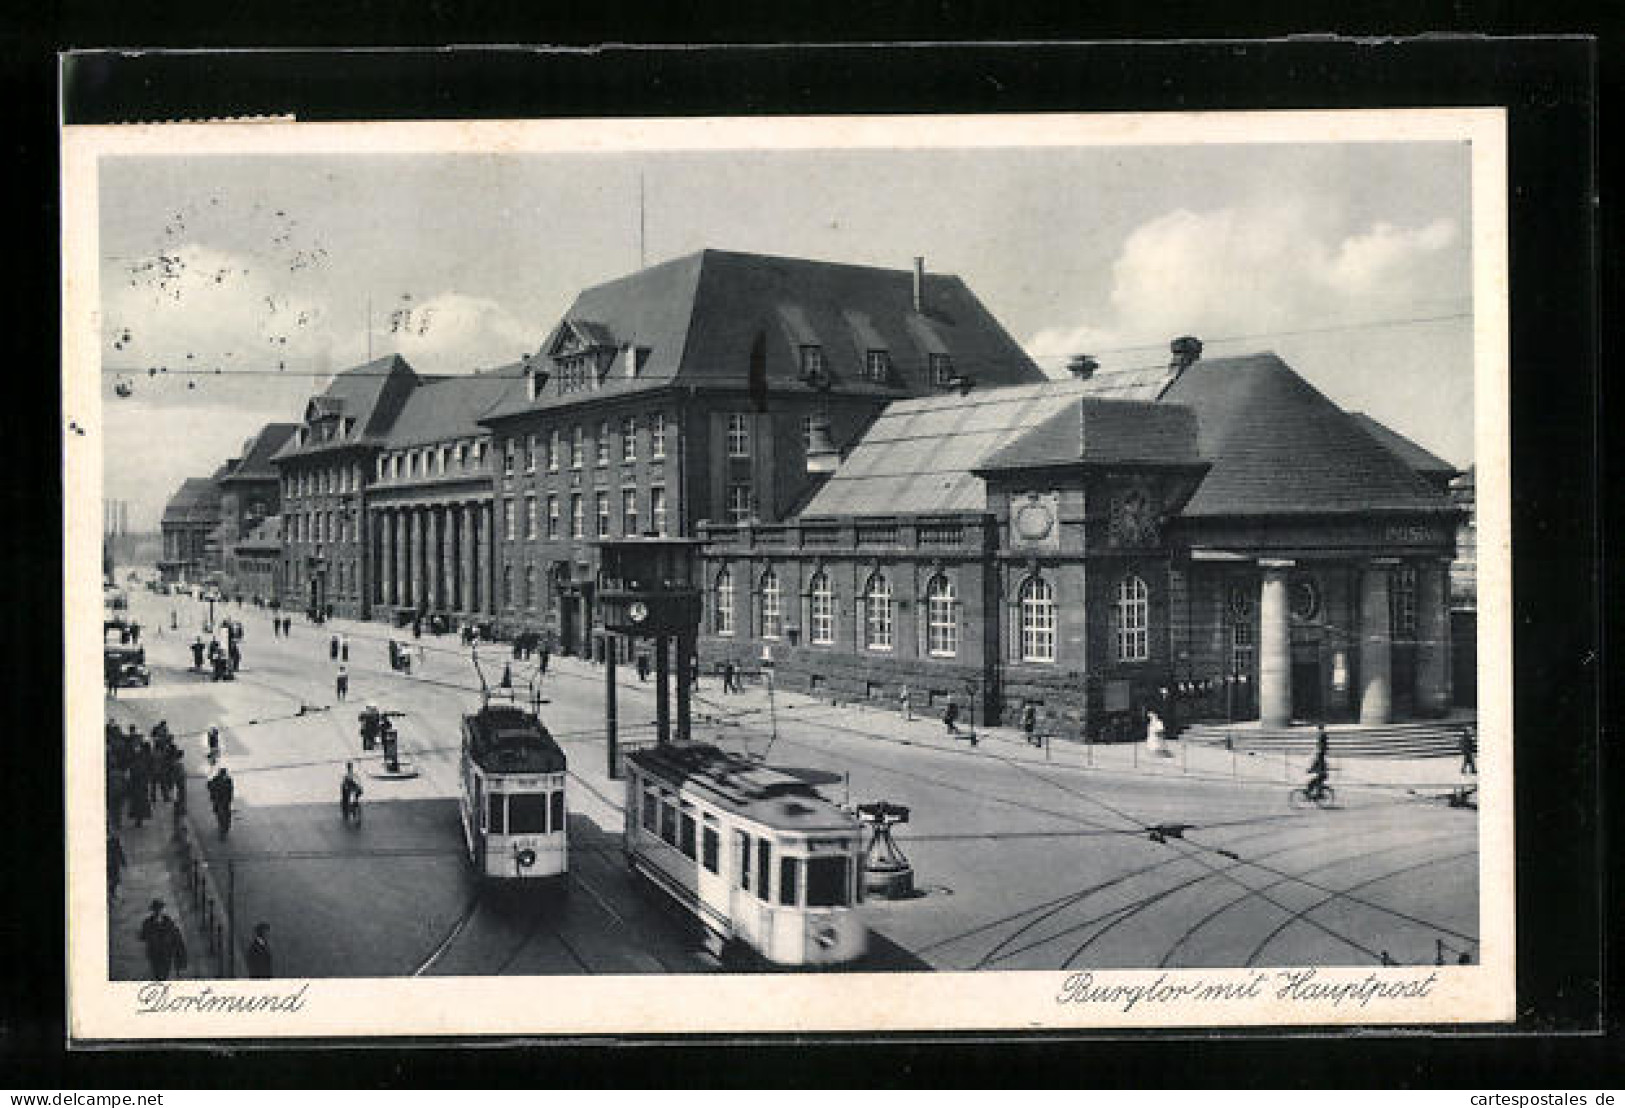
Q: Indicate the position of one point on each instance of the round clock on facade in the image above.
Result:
(637, 611)
(1034, 521)
(1305, 598)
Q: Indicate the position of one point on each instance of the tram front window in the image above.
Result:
(493, 815)
(826, 882)
(527, 814)
(789, 871)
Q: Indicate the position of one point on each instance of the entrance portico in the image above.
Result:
(433, 557)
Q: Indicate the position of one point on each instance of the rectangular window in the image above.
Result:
(556, 808)
(877, 365)
(942, 369)
(601, 502)
(657, 509)
(742, 859)
(812, 360)
(507, 457)
(578, 528)
(764, 868)
(1241, 648)
(629, 439)
(709, 843)
(530, 517)
(789, 872)
(552, 517)
(828, 881)
(629, 512)
(738, 435)
(668, 819)
(553, 445)
(687, 843)
(508, 529)
(1402, 601)
(530, 454)
(577, 446)
(739, 503)
(601, 445)
(493, 814)
(527, 814)
(651, 809)
(657, 435)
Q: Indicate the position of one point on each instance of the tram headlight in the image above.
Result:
(526, 858)
(825, 937)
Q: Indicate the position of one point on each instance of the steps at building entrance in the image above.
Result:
(1416, 739)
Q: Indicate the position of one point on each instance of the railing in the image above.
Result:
(878, 535)
(941, 534)
(213, 919)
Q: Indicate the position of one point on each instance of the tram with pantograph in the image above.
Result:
(513, 808)
(756, 855)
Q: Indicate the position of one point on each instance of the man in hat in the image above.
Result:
(166, 948)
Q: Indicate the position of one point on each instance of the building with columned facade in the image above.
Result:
(1215, 539)
(691, 391)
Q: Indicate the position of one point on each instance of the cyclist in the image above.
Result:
(350, 795)
(1319, 769)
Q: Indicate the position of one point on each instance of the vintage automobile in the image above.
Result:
(125, 666)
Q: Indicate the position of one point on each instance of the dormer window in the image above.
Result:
(812, 361)
(877, 365)
(942, 369)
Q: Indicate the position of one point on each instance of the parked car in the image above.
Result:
(124, 666)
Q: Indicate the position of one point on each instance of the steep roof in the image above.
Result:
(1279, 446)
(922, 454)
(1093, 431)
(1406, 450)
(257, 454)
(439, 409)
(696, 319)
(361, 393)
(196, 501)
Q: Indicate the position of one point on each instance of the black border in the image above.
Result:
(1551, 89)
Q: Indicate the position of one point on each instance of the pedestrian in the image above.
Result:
(1154, 732)
(1469, 752)
(541, 664)
(258, 954)
(950, 716)
(1029, 724)
(177, 770)
(417, 627)
(904, 705)
(370, 720)
(333, 648)
(174, 621)
(350, 795)
(643, 667)
(344, 648)
(135, 634)
(234, 655)
(197, 652)
(342, 681)
(214, 744)
(730, 681)
(221, 792)
(166, 949)
(115, 864)
(139, 791)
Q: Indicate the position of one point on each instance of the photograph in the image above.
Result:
(729, 575)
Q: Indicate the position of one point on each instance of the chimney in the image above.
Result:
(1082, 366)
(1186, 350)
(919, 285)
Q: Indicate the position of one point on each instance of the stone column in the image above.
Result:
(432, 556)
(465, 550)
(1274, 647)
(1433, 693)
(414, 558)
(482, 533)
(397, 563)
(1376, 645)
(448, 561)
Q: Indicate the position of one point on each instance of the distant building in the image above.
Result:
(715, 387)
(191, 550)
(250, 493)
(258, 565)
(1216, 539)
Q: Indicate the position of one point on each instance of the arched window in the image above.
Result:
(1037, 621)
(772, 614)
(877, 613)
(1133, 620)
(724, 607)
(821, 610)
(941, 618)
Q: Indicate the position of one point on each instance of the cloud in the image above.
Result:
(455, 333)
(1259, 271)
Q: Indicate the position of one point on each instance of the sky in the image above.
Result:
(1350, 260)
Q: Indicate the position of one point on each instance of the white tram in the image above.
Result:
(757, 855)
(513, 806)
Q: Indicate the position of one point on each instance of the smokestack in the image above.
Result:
(919, 285)
(1186, 350)
(1082, 366)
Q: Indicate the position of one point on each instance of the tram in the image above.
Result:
(512, 804)
(758, 856)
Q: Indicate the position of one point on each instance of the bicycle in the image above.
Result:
(1304, 797)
